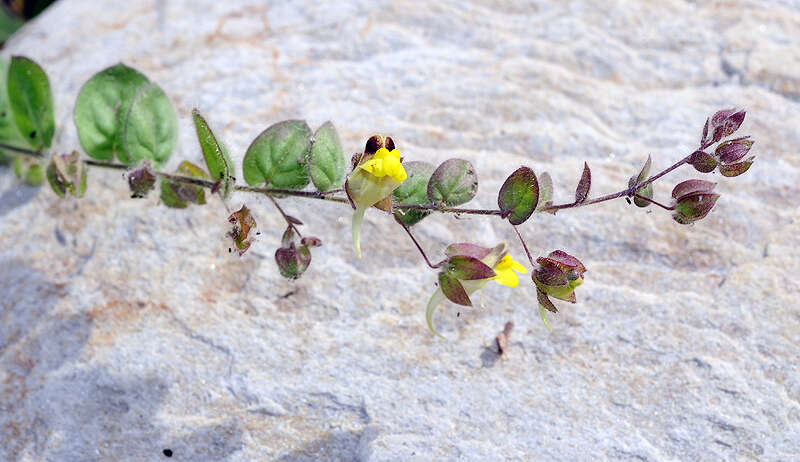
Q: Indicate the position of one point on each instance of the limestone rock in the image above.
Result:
(127, 328)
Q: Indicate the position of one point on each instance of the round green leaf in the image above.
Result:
(150, 128)
(453, 183)
(277, 156)
(103, 103)
(327, 164)
(31, 102)
(413, 191)
(8, 128)
(217, 160)
(519, 196)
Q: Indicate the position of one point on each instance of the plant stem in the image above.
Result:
(419, 247)
(328, 196)
(625, 192)
(524, 246)
(639, 196)
(285, 217)
(19, 150)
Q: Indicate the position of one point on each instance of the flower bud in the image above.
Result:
(730, 154)
(292, 261)
(141, 181)
(694, 199)
(724, 123)
(558, 275)
(732, 151)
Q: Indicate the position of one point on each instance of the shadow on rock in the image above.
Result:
(16, 196)
(338, 445)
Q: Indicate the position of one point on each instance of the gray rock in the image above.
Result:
(127, 328)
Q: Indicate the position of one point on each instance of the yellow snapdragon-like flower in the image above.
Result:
(507, 270)
(372, 181)
(384, 163)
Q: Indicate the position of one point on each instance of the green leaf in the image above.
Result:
(150, 127)
(103, 103)
(645, 191)
(413, 191)
(8, 129)
(453, 183)
(217, 160)
(31, 102)
(327, 164)
(277, 157)
(29, 170)
(519, 196)
(179, 195)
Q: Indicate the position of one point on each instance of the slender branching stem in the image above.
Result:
(285, 217)
(524, 245)
(19, 150)
(665, 207)
(624, 193)
(419, 247)
(331, 196)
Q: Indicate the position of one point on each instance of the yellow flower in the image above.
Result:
(385, 162)
(507, 270)
(373, 181)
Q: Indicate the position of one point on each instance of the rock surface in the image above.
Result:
(127, 328)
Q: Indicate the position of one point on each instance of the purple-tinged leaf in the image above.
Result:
(453, 290)
(294, 220)
(544, 301)
(734, 150)
(469, 268)
(466, 249)
(703, 162)
(519, 196)
(584, 185)
(731, 170)
(687, 187)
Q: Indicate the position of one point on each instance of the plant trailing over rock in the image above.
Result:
(126, 122)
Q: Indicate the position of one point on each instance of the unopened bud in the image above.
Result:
(141, 181)
(694, 199)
